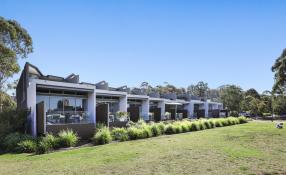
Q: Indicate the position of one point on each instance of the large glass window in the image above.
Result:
(62, 109)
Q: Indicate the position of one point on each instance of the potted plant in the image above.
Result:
(167, 115)
(122, 116)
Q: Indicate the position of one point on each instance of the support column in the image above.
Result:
(206, 107)
(161, 105)
(92, 106)
(190, 108)
(123, 104)
(145, 109)
(31, 103)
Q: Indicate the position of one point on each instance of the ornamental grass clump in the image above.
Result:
(119, 134)
(195, 126)
(242, 119)
(67, 138)
(155, 129)
(11, 141)
(134, 133)
(102, 136)
(218, 123)
(170, 129)
(161, 126)
(27, 146)
(185, 126)
(212, 123)
(207, 124)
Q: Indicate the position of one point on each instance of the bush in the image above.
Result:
(242, 119)
(218, 123)
(99, 126)
(53, 141)
(233, 114)
(44, 146)
(212, 123)
(202, 125)
(119, 134)
(207, 124)
(146, 132)
(185, 126)
(178, 127)
(225, 122)
(102, 137)
(155, 129)
(162, 127)
(67, 138)
(133, 133)
(27, 146)
(195, 126)
(170, 129)
(11, 141)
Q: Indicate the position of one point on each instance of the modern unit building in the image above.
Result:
(56, 103)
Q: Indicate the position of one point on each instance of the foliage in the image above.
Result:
(119, 134)
(14, 41)
(233, 114)
(67, 138)
(279, 105)
(170, 129)
(199, 90)
(279, 68)
(231, 96)
(242, 119)
(10, 142)
(252, 93)
(103, 136)
(99, 126)
(27, 146)
(195, 126)
(156, 130)
(44, 146)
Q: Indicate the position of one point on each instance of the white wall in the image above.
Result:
(92, 106)
(31, 103)
(145, 109)
(123, 104)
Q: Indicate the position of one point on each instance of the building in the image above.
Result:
(57, 103)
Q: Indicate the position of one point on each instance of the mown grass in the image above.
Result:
(252, 148)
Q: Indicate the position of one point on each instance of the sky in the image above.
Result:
(182, 42)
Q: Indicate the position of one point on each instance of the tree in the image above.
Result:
(199, 89)
(231, 96)
(15, 42)
(279, 105)
(279, 69)
(213, 94)
(253, 93)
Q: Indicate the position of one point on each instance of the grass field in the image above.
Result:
(252, 148)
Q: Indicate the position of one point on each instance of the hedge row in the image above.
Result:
(22, 143)
(143, 130)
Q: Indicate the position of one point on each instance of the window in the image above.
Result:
(62, 109)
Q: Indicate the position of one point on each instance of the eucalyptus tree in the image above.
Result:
(15, 42)
(279, 69)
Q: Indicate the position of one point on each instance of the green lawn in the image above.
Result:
(252, 148)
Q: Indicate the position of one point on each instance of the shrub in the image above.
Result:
(202, 125)
(44, 146)
(185, 126)
(27, 146)
(212, 123)
(146, 132)
(52, 141)
(225, 122)
(133, 133)
(195, 126)
(67, 138)
(207, 124)
(162, 127)
(102, 137)
(242, 119)
(11, 141)
(170, 129)
(155, 129)
(233, 114)
(218, 123)
(99, 126)
(119, 134)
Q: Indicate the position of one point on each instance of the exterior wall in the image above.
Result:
(91, 106)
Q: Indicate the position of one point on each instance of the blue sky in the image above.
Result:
(176, 41)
